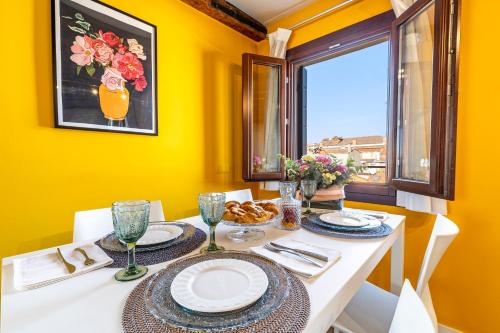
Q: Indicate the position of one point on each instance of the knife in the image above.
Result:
(304, 252)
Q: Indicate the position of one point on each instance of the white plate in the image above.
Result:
(219, 285)
(159, 233)
(344, 219)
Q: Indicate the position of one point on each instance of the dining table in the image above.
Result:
(94, 302)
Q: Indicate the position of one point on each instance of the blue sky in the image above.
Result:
(347, 95)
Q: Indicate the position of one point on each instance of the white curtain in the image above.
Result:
(278, 41)
(416, 104)
(277, 49)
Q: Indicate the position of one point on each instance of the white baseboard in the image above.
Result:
(446, 329)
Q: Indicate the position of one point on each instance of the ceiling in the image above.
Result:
(269, 11)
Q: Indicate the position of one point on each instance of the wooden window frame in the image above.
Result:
(444, 99)
(359, 35)
(248, 61)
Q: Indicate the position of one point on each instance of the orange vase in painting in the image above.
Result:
(114, 103)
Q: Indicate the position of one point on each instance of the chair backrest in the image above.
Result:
(443, 233)
(411, 315)
(240, 195)
(92, 224)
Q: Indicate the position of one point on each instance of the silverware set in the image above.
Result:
(70, 267)
(310, 257)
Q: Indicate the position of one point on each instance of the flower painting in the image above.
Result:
(105, 68)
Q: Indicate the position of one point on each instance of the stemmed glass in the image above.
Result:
(211, 209)
(130, 221)
(308, 188)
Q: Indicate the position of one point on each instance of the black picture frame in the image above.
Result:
(116, 47)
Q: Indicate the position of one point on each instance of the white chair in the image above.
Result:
(239, 195)
(92, 224)
(411, 316)
(372, 308)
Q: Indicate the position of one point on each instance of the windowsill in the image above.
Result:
(388, 200)
(371, 193)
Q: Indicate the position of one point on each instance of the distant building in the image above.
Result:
(369, 151)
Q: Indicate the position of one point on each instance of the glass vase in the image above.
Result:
(290, 207)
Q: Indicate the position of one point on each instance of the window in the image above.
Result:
(263, 117)
(425, 98)
(382, 91)
(345, 109)
(356, 118)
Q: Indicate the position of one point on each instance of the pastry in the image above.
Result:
(249, 212)
(230, 204)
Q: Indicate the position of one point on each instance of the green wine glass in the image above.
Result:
(130, 221)
(308, 188)
(211, 209)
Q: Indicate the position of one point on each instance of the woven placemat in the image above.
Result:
(158, 256)
(379, 232)
(291, 316)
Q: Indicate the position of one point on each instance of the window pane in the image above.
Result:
(266, 119)
(346, 109)
(415, 95)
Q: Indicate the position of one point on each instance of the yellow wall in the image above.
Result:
(465, 286)
(47, 174)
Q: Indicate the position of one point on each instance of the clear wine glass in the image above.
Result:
(308, 188)
(130, 221)
(211, 209)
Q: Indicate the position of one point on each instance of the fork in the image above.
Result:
(88, 261)
(271, 248)
(71, 268)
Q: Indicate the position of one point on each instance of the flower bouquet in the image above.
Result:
(118, 58)
(330, 173)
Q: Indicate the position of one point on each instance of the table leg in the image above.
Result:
(397, 261)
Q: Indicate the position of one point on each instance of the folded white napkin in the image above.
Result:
(44, 269)
(294, 263)
(381, 216)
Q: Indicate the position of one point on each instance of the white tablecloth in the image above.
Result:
(93, 302)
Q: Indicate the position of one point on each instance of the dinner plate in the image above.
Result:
(112, 243)
(159, 233)
(372, 224)
(219, 285)
(162, 306)
(344, 219)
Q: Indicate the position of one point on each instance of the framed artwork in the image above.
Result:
(104, 63)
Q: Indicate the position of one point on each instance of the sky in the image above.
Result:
(347, 95)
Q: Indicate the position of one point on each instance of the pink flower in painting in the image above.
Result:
(140, 83)
(110, 38)
(112, 79)
(136, 48)
(103, 53)
(83, 54)
(304, 168)
(122, 49)
(257, 160)
(128, 65)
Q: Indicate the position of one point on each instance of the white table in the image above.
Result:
(94, 302)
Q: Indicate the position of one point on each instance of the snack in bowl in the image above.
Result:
(250, 212)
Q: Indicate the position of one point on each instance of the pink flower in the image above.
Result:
(257, 160)
(323, 159)
(122, 49)
(110, 38)
(128, 65)
(341, 168)
(140, 83)
(303, 168)
(83, 54)
(112, 79)
(103, 53)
